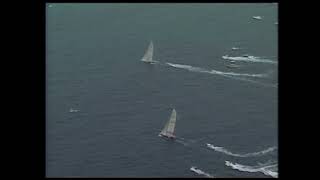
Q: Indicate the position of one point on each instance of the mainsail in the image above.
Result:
(168, 129)
(149, 53)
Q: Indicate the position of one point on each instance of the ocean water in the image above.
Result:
(93, 66)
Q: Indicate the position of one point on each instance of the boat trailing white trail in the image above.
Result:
(254, 59)
(200, 172)
(202, 70)
(232, 75)
(269, 170)
(225, 151)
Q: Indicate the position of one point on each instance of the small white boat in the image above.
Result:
(235, 48)
(73, 110)
(257, 17)
(248, 56)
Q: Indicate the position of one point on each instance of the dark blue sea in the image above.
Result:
(105, 107)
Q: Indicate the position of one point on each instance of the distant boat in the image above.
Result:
(73, 110)
(194, 169)
(235, 48)
(149, 54)
(257, 17)
(243, 57)
(168, 130)
(249, 56)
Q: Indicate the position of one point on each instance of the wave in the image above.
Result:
(187, 142)
(225, 151)
(269, 170)
(249, 59)
(202, 70)
(182, 142)
(200, 172)
(269, 162)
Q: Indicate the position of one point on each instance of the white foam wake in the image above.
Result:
(202, 70)
(198, 171)
(225, 151)
(255, 82)
(249, 59)
(269, 170)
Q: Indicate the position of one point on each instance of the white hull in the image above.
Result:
(257, 17)
(149, 62)
(165, 136)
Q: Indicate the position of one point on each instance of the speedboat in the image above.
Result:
(73, 110)
(257, 17)
(248, 56)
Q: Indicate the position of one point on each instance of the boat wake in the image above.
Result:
(200, 172)
(256, 82)
(249, 59)
(187, 142)
(182, 142)
(202, 70)
(225, 151)
(232, 75)
(267, 169)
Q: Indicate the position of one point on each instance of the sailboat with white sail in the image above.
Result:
(168, 130)
(148, 56)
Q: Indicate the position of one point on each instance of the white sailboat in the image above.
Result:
(149, 54)
(168, 130)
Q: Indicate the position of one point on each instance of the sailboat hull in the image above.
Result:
(167, 137)
(149, 62)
